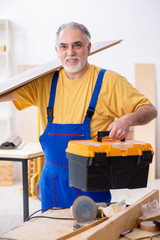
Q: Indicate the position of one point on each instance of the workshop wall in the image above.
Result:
(137, 22)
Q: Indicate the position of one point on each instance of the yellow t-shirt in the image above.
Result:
(117, 97)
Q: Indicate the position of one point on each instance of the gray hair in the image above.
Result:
(75, 25)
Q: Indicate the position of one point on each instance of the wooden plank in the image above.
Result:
(6, 173)
(6, 183)
(22, 79)
(7, 167)
(43, 228)
(5, 163)
(145, 82)
(91, 225)
(6, 178)
(50, 229)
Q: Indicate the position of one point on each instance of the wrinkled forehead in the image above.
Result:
(71, 35)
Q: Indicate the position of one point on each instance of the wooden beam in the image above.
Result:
(145, 82)
(22, 79)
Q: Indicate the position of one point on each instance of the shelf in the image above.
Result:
(5, 35)
(4, 45)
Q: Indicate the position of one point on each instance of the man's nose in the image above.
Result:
(71, 51)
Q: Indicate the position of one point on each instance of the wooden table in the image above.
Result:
(26, 152)
(54, 229)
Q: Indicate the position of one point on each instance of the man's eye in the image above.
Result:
(63, 47)
(77, 45)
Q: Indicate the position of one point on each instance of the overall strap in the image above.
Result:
(52, 97)
(95, 94)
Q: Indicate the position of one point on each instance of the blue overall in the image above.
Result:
(54, 181)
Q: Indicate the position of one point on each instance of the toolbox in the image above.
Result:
(102, 164)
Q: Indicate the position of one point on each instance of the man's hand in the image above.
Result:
(119, 129)
(7, 98)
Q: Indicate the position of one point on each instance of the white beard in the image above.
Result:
(73, 69)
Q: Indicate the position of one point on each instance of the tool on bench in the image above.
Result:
(84, 209)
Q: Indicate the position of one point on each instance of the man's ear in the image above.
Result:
(56, 51)
(89, 48)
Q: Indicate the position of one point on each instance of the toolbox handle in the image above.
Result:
(102, 134)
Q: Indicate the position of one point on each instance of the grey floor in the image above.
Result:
(11, 203)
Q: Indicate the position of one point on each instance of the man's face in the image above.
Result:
(73, 50)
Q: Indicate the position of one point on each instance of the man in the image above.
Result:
(81, 100)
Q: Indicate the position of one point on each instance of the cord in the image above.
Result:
(158, 234)
(43, 209)
(50, 218)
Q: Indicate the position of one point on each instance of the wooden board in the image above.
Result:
(50, 229)
(22, 79)
(6, 173)
(145, 82)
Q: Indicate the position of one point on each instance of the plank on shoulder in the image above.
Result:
(22, 79)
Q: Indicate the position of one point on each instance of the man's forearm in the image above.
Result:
(143, 115)
(119, 129)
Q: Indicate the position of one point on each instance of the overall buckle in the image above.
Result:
(90, 112)
(50, 112)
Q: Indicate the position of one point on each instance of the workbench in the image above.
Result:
(50, 229)
(28, 151)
